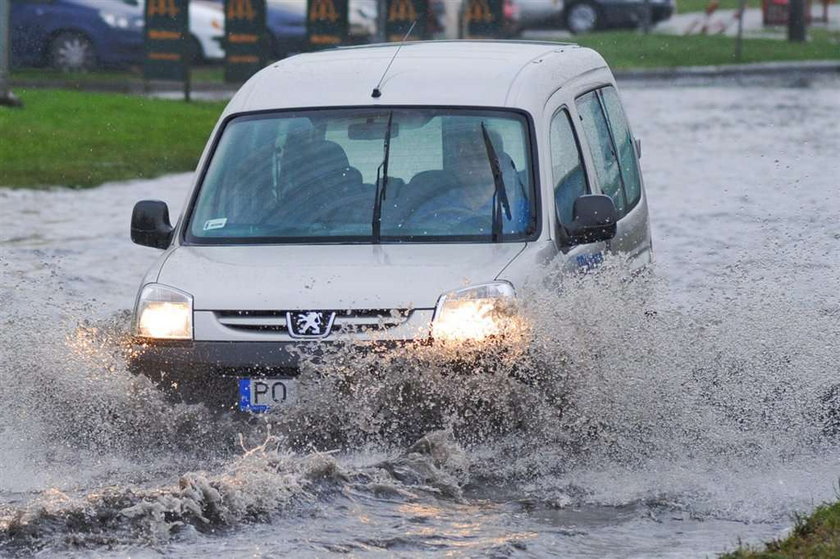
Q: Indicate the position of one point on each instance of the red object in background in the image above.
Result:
(511, 11)
(775, 12)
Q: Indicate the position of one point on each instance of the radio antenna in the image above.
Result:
(377, 92)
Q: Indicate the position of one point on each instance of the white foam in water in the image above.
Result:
(669, 415)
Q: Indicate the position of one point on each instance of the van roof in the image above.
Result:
(450, 73)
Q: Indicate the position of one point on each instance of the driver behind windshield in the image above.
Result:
(463, 198)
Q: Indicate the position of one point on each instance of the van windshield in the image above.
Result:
(316, 176)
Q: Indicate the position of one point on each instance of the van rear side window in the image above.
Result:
(320, 176)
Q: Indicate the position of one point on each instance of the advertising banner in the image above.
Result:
(167, 40)
(401, 14)
(246, 39)
(326, 22)
(484, 19)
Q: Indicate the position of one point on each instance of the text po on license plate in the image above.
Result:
(262, 394)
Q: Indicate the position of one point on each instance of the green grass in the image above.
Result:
(81, 139)
(687, 6)
(200, 74)
(630, 49)
(814, 537)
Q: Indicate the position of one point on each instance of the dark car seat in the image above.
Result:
(306, 164)
(315, 173)
(424, 186)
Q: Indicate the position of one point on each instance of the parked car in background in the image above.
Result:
(75, 34)
(540, 13)
(286, 21)
(207, 31)
(80, 35)
(583, 16)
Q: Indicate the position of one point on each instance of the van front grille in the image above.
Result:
(346, 322)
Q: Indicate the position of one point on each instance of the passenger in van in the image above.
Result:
(463, 196)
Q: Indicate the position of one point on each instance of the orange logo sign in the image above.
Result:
(402, 10)
(479, 11)
(241, 9)
(163, 8)
(322, 10)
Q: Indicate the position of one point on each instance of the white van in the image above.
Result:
(336, 200)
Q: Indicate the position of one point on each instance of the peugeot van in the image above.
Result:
(383, 192)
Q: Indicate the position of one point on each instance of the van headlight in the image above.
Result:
(475, 313)
(164, 312)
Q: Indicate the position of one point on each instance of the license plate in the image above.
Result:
(261, 394)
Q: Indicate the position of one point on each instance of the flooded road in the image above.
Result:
(694, 417)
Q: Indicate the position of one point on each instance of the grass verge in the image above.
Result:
(630, 49)
(814, 537)
(78, 139)
(201, 74)
(688, 6)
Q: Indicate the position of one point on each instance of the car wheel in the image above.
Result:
(582, 17)
(72, 52)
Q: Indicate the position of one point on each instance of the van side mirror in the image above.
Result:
(594, 220)
(150, 224)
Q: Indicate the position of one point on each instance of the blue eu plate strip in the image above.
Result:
(245, 398)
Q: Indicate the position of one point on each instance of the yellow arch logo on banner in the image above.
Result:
(163, 8)
(323, 10)
(241, 9)
(402, 10)
(479, 12)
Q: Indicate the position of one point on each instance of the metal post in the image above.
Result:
(381, 20)
(186, 57)
(796, 21)
(739, 39)
(6, 96)
(646, 17)
(187, 84)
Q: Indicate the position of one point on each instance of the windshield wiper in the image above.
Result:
(381, 185)
(500, 198)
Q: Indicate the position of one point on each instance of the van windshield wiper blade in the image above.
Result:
(381, 184)
(500, 198)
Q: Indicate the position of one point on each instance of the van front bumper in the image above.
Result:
(209, 371)
(220, 356)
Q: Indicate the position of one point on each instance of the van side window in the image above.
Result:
(624, 144)
(603, 150)
(566, 168)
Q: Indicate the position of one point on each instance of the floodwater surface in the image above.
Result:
(669, 416)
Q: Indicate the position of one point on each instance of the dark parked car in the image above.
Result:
(76, 34)
(583, 16)
(286, 21)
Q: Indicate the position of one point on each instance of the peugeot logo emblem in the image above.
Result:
(309, 324)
